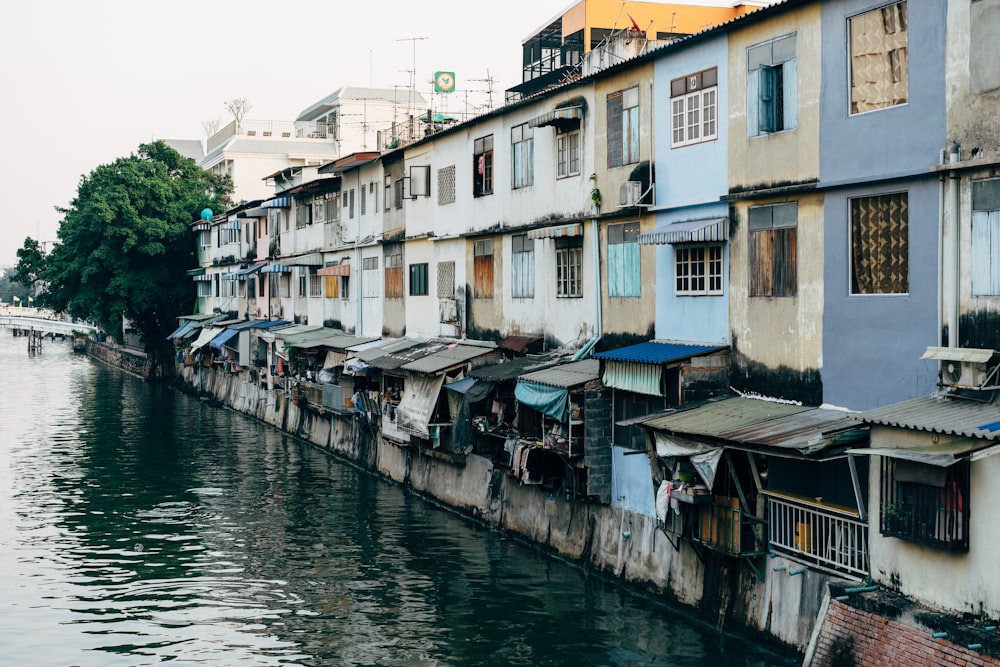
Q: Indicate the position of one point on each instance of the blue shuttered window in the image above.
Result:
(624, 268)
(986, 237)
(772, 87)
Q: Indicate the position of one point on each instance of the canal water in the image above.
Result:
(140, 526)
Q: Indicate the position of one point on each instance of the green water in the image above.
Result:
(140, 526)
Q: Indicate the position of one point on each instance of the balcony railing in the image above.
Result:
(717, 522)
(824, 535)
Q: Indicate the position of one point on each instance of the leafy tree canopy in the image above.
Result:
(30, 263)
(9, 287)
(124, 244)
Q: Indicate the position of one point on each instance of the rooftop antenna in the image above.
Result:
(413, 72)
(489, 81)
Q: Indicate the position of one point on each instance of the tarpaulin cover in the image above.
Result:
(413, 413)
(704, 458)
(473, 389)
(222, 338)
(548, 400)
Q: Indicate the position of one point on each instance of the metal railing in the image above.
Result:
(825, 536)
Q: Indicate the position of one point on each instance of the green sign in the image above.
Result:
(444, 82)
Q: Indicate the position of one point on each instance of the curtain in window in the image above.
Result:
(523, 275)
(985, 253)
(880, 245)
(879, 63)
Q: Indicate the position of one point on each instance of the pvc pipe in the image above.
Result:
(939, 635)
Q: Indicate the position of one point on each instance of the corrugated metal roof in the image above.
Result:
(567, 375)
(510, 370)
(718, 417)
(688, 231)
(806, 432)
(387, 346)
(337, 341)
(394, 360)
(450, 356)
(657, 352)
(940, 413)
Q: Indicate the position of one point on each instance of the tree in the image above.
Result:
(9, 288)
(239, 107)
(211, 126)
(125, 244)
(30, 263)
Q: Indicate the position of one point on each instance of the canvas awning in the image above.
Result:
(336, 270)
(255, 212)
(942, 454)
(688, 231)
(203, 278)
(565, 115)
(420, 395)
(278, 202)
(573, 229)
(201, 227)
(474, 390)
(205, 337)
(705, 458)
(309, 259)
(223, 338)
(276, 268)
(242, 274)
(546, 399)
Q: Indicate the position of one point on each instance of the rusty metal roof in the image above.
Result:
(510, 370)
(340, 341)
(718, 417)
(448, 357)
(948, 414)
(566, 375)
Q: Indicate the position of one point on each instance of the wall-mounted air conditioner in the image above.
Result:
(964, 367)
(629, 193)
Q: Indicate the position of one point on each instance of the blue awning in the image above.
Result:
(473, 389)
(548, 400)
(276, 268)
(243, 273)
(222, 338)
(656, 352)
(278, 202)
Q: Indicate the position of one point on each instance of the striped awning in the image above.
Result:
(573, 229)
(336, 270)
(557, 116)
(243, 273)
(688, 231)
(201, 227)
(635, 377)
(276, 268)
(201, 278)
(309, 259)
(278, 202)
(232, 223)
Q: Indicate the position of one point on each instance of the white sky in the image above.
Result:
(83, 82)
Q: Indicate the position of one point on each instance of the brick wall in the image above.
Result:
(856, 638)
(597, 442)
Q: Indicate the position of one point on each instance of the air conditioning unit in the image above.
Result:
(448, 311)
(963, 367)
(629, 193)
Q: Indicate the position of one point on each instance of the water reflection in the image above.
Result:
(139, 526)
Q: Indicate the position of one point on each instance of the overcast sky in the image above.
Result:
(86, 82)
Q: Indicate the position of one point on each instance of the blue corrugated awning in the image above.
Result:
(688, 231)
(222, 338)
(278, 202)
(656, 352)
(276, 268)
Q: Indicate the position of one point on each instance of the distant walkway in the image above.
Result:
(19, 317)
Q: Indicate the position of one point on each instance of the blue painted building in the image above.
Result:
(882, 131)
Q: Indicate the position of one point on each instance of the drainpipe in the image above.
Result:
(940, 254)
(953, 247)
(595, 226)
(359, 329)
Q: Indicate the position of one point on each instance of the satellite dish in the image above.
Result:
(206, 214)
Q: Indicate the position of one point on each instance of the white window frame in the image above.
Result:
(695, 262)
(694, 108)
(522, 156)
(568, 153)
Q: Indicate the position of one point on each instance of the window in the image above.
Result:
(879, 244)
(569, 266)
(482, 269)
(387, 197)
(879, 69)
(303, 280)
(397, 193)
(315, 283)
(319, 209)
(698, 269)
(333, 207)
(420, 181)
(567, 152)
(522, 271)
(332, 286)
(771, 87)
(693, 108)
(369, 267)
(394, 275)
(986, 237)
(446, 185)
(446, 280)
(482, 166)
(522, 149)
(374, 193)
(623, 127)
(418, 279)
(205, 238)
(205, 288)
(303, 213)
(926, 504)
(624, 267)
(364, 201)
(772, 250)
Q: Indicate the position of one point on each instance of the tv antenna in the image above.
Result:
(489, 81)
(413, 72)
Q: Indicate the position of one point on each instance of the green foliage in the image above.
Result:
(30, 263)
(125, 243)
(9, 287)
